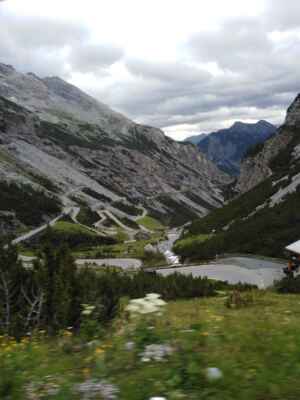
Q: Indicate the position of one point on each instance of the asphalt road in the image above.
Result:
(233, 270)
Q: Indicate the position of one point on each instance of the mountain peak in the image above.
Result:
(260, 123)
(238, 124)
(227, 147)
(293, 113)
(263, 122)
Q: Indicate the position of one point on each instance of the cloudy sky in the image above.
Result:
(185, 66)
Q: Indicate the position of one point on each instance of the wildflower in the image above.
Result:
(99, 351)
(213, 374)
(87, 309)
(156, 352)
(86, 371)
(147, 305)
(92, 389)
(157, 398)
(67, 333)
(46, 388)
(152, 296)
(129, 346)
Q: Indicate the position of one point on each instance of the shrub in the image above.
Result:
(288, 285)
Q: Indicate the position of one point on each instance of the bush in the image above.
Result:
(288, 285)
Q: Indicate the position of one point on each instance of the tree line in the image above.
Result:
(50, 295)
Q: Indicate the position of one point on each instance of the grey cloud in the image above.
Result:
(41, 32)
(167, 72)
(232, 46)
(52, 47)
(283, 15)
(258, 75)
(38, 44)
(164, 104)
(91, 57)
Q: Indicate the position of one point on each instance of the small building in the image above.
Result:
(294, 247)
(294, 259)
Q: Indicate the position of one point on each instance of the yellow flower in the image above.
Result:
(99, 351)
(86, 372)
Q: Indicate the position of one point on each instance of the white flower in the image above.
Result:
(129, 346)
(214, 374)
(147, 305)
(156, 352)
(92, 389)
(157, 398)
(152, 296)
(87, 309)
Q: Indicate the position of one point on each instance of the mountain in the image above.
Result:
(227, 147)
(265, 217)
(196, 139)
(261, 162)
(56, 138)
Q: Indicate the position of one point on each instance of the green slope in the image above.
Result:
(248, 224)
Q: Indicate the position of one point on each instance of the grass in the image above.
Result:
(69, 227)
(256, 348)
(190, 240)
(150, 223)
(120, 250)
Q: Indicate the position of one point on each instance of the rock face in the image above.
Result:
(51, 130)
(259, 166)
(293, 113)
(227, 147)
(255, 169)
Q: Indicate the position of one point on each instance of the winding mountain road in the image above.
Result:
(36, 231)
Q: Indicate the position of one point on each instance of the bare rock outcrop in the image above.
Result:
(257, 168)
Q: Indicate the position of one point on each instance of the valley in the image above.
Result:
(87, 258)
(152, 221)
(149, 200)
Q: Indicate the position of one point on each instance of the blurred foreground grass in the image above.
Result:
(255, 350)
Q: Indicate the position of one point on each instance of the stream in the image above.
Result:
(165, 246)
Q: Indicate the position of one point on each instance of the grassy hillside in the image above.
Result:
(267, 232)
(248, 224)
(75, 236)
(208, 351)
(150, 223)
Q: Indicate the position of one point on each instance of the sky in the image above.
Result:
(187, 66)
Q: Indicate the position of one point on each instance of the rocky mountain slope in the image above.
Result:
(265, 217)
(227, 147)
(263, 161)
(54, 136)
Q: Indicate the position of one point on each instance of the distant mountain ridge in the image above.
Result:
(227, 147)
(196, 138)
